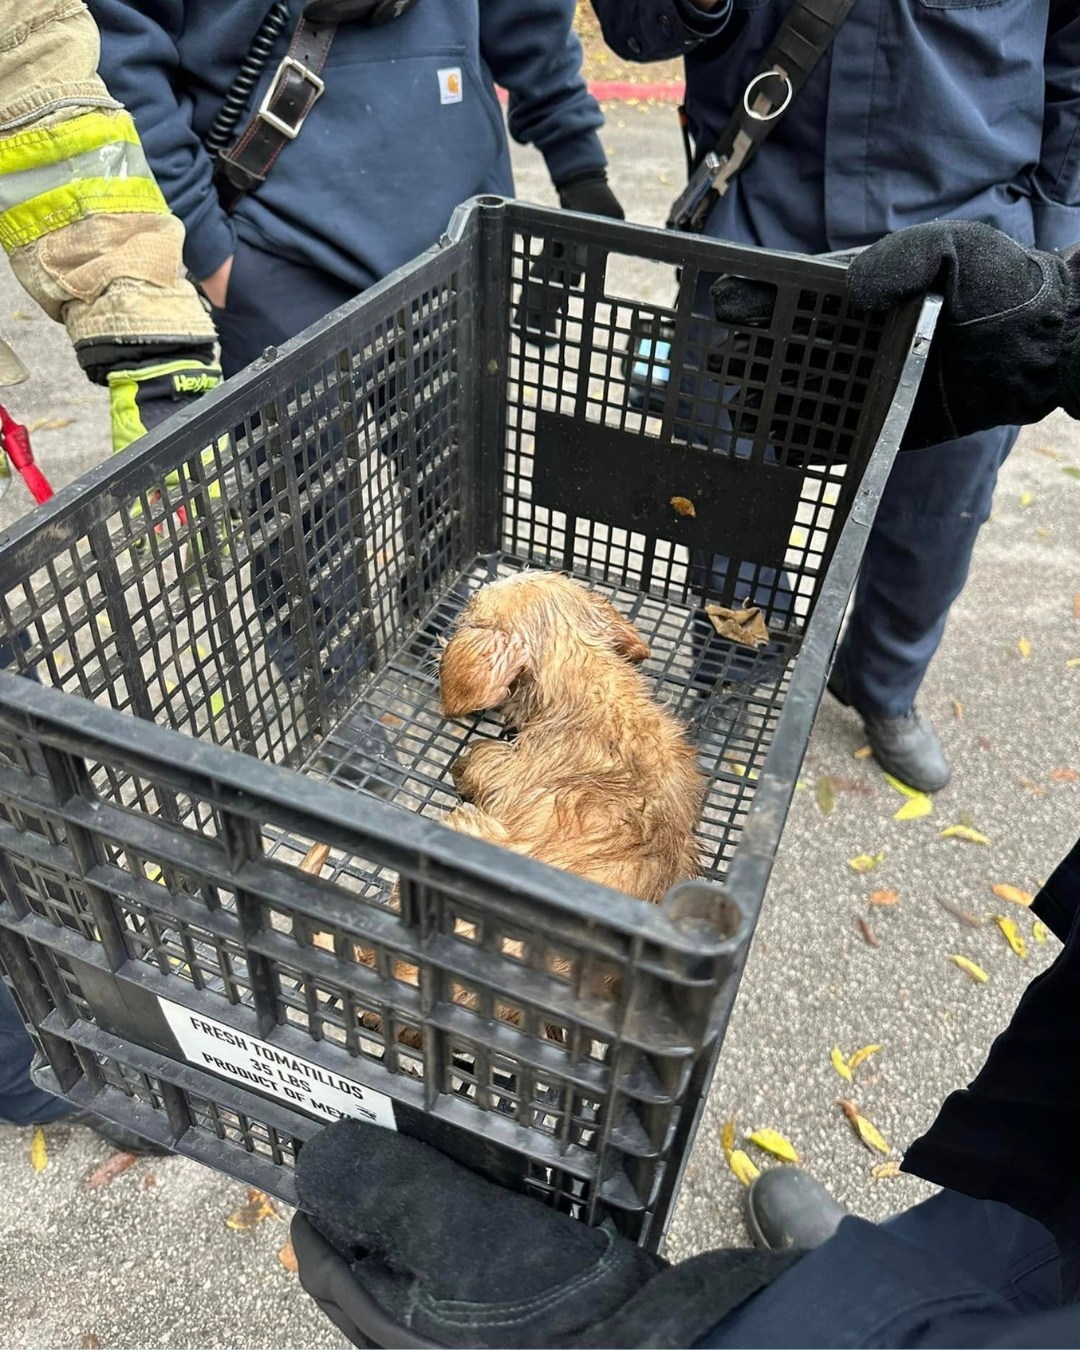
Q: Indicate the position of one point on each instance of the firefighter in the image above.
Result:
(91, 239)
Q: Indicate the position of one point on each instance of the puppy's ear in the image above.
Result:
(478, 668)
(624, 638)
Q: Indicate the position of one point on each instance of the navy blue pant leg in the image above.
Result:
(270, 300)
(917, 1280)
(22, 1102)
(916, 563)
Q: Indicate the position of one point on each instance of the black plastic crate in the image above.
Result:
(228, 611)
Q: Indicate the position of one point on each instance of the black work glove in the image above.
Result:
(394, 1235)
(558, 269)
(1005, 351)
(589, 192)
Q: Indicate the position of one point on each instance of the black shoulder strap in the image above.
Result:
(804, 37)
(295, 89)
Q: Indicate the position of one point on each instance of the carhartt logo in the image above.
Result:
(450, 85)
(195, 384)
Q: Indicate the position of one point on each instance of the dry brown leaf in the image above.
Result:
(39, 1154)
(964, 915)
(259, 1207)
(287, 1257)
(1013, 894)
(863, 752)
(1023, 646)
(1076, 605)
(825, 794)
(1012, 935)
(861, 1056)
(967, 965)
(984, 742)
(867, 1132)
(885, 1170)
(957, 710)
(315, 859)
(744, 1169)
(727, 1137)
(772, 1141)
(683, 506)
(866, 862)
(965, 832)
(745, 626)
(868, 933)
(148, 1181)
(839, 1063)
(1046, 452)
(50, 423)
(110, 1169)
(1064, 775)
(90, 1342)
(1036, 788)
(884, 897)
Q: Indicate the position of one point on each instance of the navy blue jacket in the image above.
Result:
(921, 109)
(382, 160)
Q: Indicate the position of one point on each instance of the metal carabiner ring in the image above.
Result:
(767, 75)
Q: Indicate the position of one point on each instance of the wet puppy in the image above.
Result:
(601, 780)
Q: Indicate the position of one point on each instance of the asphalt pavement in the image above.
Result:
(147, 1260)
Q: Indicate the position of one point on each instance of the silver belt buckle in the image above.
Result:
(278, 123)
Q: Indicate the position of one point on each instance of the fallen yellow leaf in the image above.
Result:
(861, 1056)
(217, 704)
(683, 506)
(863, 752)
(1072, 662)
(902, 787)
(884, 897)
(1026, 499)
(1039, 932)
(744, 1169)
(727, 1137)
(957, 709)
(259, 1207)
(1013, 936)
(915, 809)
(50, 423)
(976, 972)
(773, 1142)
(964, 832)
(839, 1063)
(39, 1154)
(1013, 894)
(886, 1169)
(866, 862)
(825, 794)
(1023, 646)
(867, 1132)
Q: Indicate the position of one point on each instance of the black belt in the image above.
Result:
(804, 37)
(293, 92)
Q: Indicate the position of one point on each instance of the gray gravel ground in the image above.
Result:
(147, 1264)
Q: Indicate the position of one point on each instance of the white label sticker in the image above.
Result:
(450, 85)
(267, 1068)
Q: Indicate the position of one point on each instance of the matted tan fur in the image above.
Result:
(600, 780)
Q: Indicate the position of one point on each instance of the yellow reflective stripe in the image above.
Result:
(40, 146)
(118, 159)
(22, 224)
